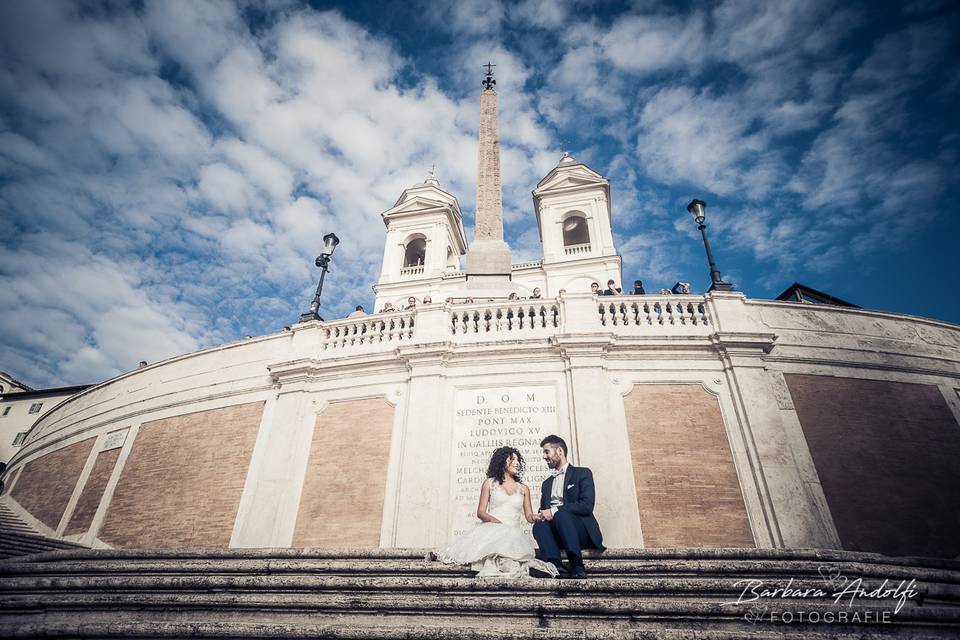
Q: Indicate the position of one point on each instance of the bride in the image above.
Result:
(497, 547)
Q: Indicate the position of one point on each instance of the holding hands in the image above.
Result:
(543, 516)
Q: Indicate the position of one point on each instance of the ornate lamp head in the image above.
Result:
(698, 209)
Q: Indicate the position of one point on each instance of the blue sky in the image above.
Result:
(167, 169)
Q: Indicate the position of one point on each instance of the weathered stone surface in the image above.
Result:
(182, 483)
(902, 496)
(688, 492)
(488, 253)
(46, 484)
(684, 593)
(17, 538)
(92, 492)
(334, 480)
(489, 217)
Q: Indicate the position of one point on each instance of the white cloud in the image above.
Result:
(696, 138)
(91, 315)
(746, 30)
(464, 17)
(855, 164)
(651, 43)
(224, 188)
(547, 14)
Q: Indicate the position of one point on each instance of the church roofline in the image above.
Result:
(425, 187)
(43, 393)
(9, 378)
(565, 166)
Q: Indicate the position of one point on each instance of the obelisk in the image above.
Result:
(488, 258)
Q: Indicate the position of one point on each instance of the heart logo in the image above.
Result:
(753, 616)
(830, 576)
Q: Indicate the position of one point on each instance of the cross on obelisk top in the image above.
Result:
(488, 82)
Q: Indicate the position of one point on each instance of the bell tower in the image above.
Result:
(572, 205)
(425, 239)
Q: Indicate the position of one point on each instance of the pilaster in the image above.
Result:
(421, 489)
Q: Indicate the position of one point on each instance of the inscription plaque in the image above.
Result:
(485, 419)
(114, 440)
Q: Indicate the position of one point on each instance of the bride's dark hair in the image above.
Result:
(498, 464)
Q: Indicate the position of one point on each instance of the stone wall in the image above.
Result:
(46, 484)
(887, 457)
(342, 500)
(181, 485)
(688, 493)
(678, 403)
(92, 492)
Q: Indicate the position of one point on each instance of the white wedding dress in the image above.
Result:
(498, 550)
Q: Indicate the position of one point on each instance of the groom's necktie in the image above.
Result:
(556, 491)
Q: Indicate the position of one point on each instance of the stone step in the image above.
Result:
(636, 593)
(435, 631)
(590, 615)
(11, 536)
(13, 549)
(725, 588)
(710, 555)
(670, 556)
(67, 563)
(7, 524)
(9, 518)
(602, 609)
(234, 566)
(17, 538)
(13, 544)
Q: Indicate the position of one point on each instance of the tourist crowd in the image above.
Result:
(680, 288)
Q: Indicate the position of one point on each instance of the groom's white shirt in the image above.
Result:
(556, 491)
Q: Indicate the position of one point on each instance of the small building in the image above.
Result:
(21, 406)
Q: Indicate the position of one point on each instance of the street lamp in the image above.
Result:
(330, 242)
(698, 209)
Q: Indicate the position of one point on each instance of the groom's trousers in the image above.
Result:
(566, 532)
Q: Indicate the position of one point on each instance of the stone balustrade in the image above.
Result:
(577, 249)
(519, 319)
(512, 317)
(653, 311)
(382, 328)
(412, 271)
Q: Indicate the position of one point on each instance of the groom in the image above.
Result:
(566, 522)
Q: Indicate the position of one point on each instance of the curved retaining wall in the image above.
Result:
(710, 421)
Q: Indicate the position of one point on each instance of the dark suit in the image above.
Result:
(573, 526)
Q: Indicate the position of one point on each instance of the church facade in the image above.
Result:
(709, 420)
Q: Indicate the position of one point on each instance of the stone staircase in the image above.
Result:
(17, 538)
(352, 594)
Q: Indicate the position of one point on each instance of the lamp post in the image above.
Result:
(698, 209)
(330, 242)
